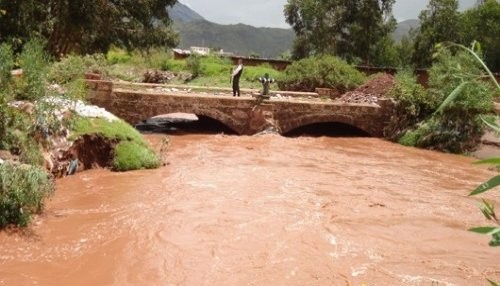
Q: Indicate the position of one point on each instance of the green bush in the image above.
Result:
(77, 89)
(457, 126)
(23, 190)
(452, 69)
(173, 65)
(6, 65)
(156, 58)
(413, 104)
(215, 66)
(96, 63)
(33, 61)
(116, 55)
(454, 125)
(133, 156)
(20, 137)
(320, 71)
(455, 132)
(66, 70)
(193, 63)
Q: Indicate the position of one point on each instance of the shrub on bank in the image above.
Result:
(117, 56)
(193, 64)
(134, 156)
(33, 61)
(66, 70)
(23, 189)
(413, 104)
(6, 65)
(322, 72)
(457, 87)
(215, 66)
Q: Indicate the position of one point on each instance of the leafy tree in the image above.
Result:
(482, 24)
(405, 50)
(386, 53)
(349, 29)
(439, 23)
(87, 26)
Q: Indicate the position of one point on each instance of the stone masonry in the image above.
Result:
(243, 115)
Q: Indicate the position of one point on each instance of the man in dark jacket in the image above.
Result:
(235, 77)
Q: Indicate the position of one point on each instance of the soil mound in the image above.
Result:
(93, 151)
(375, 88)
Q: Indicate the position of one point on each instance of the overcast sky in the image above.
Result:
(269, 13)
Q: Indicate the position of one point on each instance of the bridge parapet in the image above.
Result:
(243, 115)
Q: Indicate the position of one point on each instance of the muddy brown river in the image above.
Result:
(263, 210)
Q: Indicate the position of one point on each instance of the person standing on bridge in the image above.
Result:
(235, 77)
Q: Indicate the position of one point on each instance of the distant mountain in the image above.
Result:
(239, 39)
(404, 28)
(182, 13)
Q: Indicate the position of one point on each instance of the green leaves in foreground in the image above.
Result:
(492, 283)
(492, 183)
(493, 231)
(488, 210)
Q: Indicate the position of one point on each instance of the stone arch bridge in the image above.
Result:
(242, 114)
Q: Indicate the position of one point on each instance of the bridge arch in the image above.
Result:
(213, 114)
(302, 121)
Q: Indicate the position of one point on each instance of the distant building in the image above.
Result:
(203, 51)
(225, 54)
(182, 52)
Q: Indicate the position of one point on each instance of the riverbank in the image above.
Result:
(489, 146)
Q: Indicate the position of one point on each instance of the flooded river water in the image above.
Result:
(263, 210)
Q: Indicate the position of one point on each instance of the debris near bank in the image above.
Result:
(162, 77)
(370, 92)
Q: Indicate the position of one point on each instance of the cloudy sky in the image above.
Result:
(269, 13)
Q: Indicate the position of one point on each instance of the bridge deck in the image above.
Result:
(245, 96)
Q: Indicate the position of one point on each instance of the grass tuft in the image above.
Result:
(134, 156)
(23, 189)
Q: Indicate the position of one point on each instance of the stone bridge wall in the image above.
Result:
(242, 115)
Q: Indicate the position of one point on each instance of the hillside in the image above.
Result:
(404, 28)
(182, 13)
(240, 39)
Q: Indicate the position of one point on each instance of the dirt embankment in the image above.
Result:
(61, 156)
(370, 92)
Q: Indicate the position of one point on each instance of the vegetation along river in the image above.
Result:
(263, 210)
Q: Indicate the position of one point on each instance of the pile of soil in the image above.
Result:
(92, 151)
(375, 88)
(162, 77)
(158, 76)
